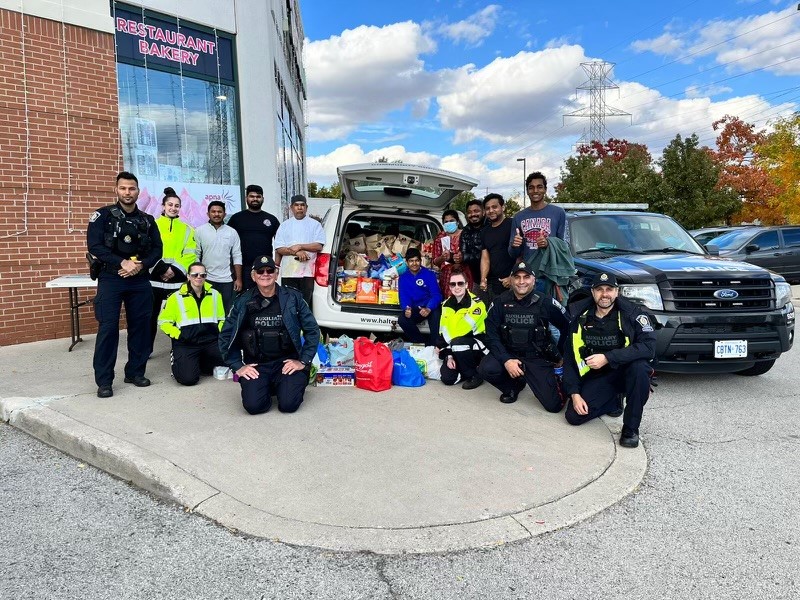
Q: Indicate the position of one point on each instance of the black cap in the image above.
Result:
(263, 261)
(604, 279)
(413, 253)
(523, 266)
(299, 198)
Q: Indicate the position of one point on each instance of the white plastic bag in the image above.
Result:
(431, 358)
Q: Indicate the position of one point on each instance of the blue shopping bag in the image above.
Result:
(406, 371)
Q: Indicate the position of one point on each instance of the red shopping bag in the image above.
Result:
(373, 365)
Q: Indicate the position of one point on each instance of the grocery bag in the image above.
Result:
(431, 358)
(341, 352)
(405, 370)
(373, 365)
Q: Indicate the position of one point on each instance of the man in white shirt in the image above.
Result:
(218, 248)
(297, 243)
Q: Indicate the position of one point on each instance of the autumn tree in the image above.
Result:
(779, 155)
(616, 171)
(740, 172)
(688, 190)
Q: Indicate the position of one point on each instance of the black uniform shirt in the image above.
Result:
(100, 222)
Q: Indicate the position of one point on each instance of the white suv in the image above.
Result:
(379, 197)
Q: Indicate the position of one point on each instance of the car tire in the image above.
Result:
(757, 369)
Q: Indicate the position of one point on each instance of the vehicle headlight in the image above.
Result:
(646, 293)
(783, 293)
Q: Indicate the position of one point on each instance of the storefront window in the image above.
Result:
(178, 129)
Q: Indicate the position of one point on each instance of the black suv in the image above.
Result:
(715, 315)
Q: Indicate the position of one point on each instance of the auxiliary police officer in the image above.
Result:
(608, 353)
(126, 243)
(269, 339)
(521, 348)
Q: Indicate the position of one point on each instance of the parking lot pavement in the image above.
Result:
(714, 518)
(427, 469)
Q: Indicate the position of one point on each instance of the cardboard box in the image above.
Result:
(388, 297)
(336, 376)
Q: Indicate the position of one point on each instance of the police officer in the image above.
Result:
(462, 339)
(192, 317)
(261, 340)
(608, 352)
(521, 348)
(126, 242)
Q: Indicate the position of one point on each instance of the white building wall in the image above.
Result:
(91, 14)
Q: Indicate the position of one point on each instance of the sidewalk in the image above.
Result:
(408, 470)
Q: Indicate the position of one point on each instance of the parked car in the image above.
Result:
(714, 315)
(378, 198)
(705, 234)
(774, 248)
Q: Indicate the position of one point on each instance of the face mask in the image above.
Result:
(450, 227)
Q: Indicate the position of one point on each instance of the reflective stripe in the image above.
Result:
(473, 325)
(577, 344)
(476, 345)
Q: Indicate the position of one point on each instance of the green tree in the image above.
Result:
(617, 171)
(689, 190)
(334, 191)
(512, 205)
(460, 201)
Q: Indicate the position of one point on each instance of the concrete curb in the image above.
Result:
(161, 477)
(108, 453)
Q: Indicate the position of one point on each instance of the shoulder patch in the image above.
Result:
(95, 216)
(644, 322)
(477, 311)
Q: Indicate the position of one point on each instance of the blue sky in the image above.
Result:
(473, 86)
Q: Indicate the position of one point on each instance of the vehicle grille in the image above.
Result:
(698, 294)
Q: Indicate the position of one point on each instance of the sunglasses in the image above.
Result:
(265, 271)
(200, 275)
(458, 283)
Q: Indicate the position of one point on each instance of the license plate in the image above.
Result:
(730, 349)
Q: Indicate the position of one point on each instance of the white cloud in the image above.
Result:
(364, 73)
(666, 44)
(753, 42)
(510, 94)
(475, 28)
(699, 91)
(657, 119)
(505, 178)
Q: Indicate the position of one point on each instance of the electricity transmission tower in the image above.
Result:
(597, 111)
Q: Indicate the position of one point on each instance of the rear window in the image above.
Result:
(391, 225)
(791, 237)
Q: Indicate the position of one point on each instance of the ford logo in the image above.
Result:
(726, 294)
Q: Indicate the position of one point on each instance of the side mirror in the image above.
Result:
(712, 249)
(750, 248)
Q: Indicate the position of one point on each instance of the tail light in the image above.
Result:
(321, 269)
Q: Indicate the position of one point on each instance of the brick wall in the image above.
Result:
(68, 77)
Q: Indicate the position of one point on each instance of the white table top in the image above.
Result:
(71, 281)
